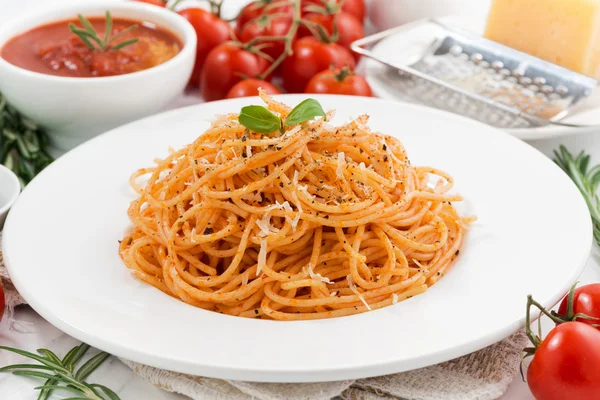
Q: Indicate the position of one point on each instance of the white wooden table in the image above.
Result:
(114, 374)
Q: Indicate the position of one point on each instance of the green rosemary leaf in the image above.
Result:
(91, 365)
(82, 35)
(108, 26)
(84, 21)
(73, 356)
(53, 365)
(59, 387)
(34, 373)
(50, 355)
(124, 31)
(586, 181)
(45, 393)
(25, 366)
(22, 144)
(125, 43)
(111, 395)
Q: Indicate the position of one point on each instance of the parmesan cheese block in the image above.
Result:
(564, 32)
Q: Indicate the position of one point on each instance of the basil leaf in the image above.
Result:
(305, 111)
(259, 119)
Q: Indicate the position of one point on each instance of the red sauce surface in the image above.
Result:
(54, 50)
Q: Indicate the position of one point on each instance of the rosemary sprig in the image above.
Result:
(22, 144)
(61, 374)
(91, 39)
(587, 181)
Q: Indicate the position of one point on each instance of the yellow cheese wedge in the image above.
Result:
(564, 32)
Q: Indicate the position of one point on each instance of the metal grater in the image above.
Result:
(484, 80)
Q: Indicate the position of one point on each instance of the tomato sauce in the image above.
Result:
(54, 50)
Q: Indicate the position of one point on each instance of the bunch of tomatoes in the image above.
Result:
(296, 46)
(566, 363)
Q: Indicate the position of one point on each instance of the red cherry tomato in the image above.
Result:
(339, 82)
(311, 56)
(567, 364)
(249, 87)
(349, 28)
(355, 7)
(260, 8)
(264, 26)
(211, 32)
(2, 302)
(159, 3)
(586, 300)
(226, 65)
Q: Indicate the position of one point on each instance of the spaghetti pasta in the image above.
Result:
(314, 222)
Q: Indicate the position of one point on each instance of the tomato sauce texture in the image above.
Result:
(54, 50)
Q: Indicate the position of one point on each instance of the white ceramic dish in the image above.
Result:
(533, 236)
(9, 191)
(386, 14)
(76, 109)
(407, 48)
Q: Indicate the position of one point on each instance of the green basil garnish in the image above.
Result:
(259, 119)
(305, 111)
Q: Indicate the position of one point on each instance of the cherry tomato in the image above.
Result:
(249, 87)
(340, 81)
(567, 364)
(260, 8)
(355, 7)
(226, 65)
(265, 26)
(2, 302)
(586, 300)
(211, 32)
(159, 3)
(349, 28)
(311, 56)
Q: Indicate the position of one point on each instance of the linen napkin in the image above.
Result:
(483, 375)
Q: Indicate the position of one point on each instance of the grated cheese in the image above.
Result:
(256, 197)
(262, 256)
(293, 131)
(304, 189)
(363, 172)
(249, 151)
(193, 235)
(245, 279)
(341, 165)
(265, 226)
(394, 298)
(333, 294)
(355, 290)
(314, 276)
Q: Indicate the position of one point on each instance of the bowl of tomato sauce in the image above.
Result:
(83, 69)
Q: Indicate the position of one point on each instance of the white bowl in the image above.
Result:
(385, 14)
(10, 187)
(74, 110)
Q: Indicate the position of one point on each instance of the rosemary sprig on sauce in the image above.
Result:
(61, 374)
(90, 37)
(22, 144)
(587, 181)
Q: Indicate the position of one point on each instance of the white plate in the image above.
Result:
(406, 48)
(533, 236)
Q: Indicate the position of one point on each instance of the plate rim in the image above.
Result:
(296, 375)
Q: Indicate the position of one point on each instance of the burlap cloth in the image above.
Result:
(478, 376)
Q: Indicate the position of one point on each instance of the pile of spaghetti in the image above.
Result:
(314, 222)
